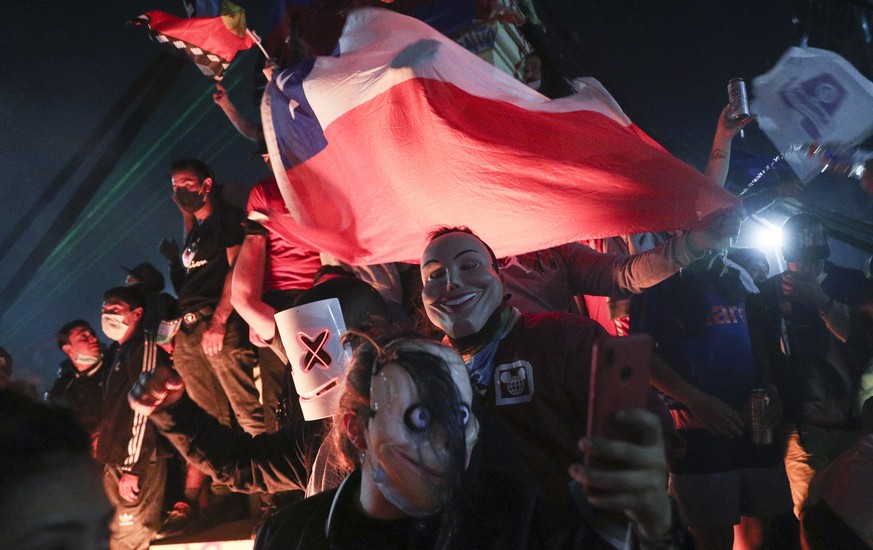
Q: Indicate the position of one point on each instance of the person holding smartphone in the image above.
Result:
(530, 373)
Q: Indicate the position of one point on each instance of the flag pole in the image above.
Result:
(257, 40)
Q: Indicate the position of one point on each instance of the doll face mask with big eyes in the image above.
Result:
(408, 454)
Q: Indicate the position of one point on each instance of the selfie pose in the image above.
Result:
(530, 373)
(407, 428)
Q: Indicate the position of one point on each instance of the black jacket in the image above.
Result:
(126, 438)
(818, 381)
(494, 512)
(82, 393)
(268, 462)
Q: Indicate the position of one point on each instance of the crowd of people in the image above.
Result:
(444, 404)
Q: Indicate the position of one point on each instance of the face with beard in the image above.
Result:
(421, 430)
(460, 284)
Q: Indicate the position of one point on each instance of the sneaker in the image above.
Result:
(179, 520)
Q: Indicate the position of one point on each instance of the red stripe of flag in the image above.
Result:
(208, 33)
(406, 153)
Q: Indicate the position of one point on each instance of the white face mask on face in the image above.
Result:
(113, 326)
(87, 360)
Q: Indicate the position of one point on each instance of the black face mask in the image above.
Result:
(190, 201)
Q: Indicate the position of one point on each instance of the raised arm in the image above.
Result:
(618, 275)
(720, 156)
(243, 125)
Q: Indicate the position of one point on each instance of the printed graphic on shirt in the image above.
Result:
(725, 315)
(189, 254)
(513, 383)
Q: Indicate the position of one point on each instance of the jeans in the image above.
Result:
(221, 384)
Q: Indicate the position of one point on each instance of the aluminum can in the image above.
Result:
(739, 100)
(759, 400)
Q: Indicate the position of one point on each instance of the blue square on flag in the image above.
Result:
(299, 136)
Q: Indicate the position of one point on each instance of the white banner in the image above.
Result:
(812, 95)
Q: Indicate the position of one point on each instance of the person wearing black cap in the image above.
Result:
(162, 309)
(146, 275)
(802, 318)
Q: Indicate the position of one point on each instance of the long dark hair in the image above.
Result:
(437, 391)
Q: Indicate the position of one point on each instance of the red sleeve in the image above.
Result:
(257, 200)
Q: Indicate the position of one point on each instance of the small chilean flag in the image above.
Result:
(404, 130)
(210, 42)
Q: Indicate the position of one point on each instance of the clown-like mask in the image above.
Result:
(460, 286)
(409, 453)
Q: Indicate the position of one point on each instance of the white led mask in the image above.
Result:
(312, 336)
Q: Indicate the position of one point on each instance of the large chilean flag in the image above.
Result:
(404, 130)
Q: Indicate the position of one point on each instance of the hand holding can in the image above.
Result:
(761, 432)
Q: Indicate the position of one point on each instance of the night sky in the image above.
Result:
(66, 65)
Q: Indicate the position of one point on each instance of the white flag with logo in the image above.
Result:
(812, 96)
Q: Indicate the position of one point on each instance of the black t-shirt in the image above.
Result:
(205, 257)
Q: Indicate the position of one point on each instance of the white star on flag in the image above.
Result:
(293, 104)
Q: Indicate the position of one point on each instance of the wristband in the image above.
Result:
(251, 227)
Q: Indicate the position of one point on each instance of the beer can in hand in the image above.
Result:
(739, 100)
(759, 401)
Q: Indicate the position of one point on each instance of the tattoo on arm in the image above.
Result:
(718, 154)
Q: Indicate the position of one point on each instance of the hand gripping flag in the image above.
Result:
(210, 42)
(405, 130)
